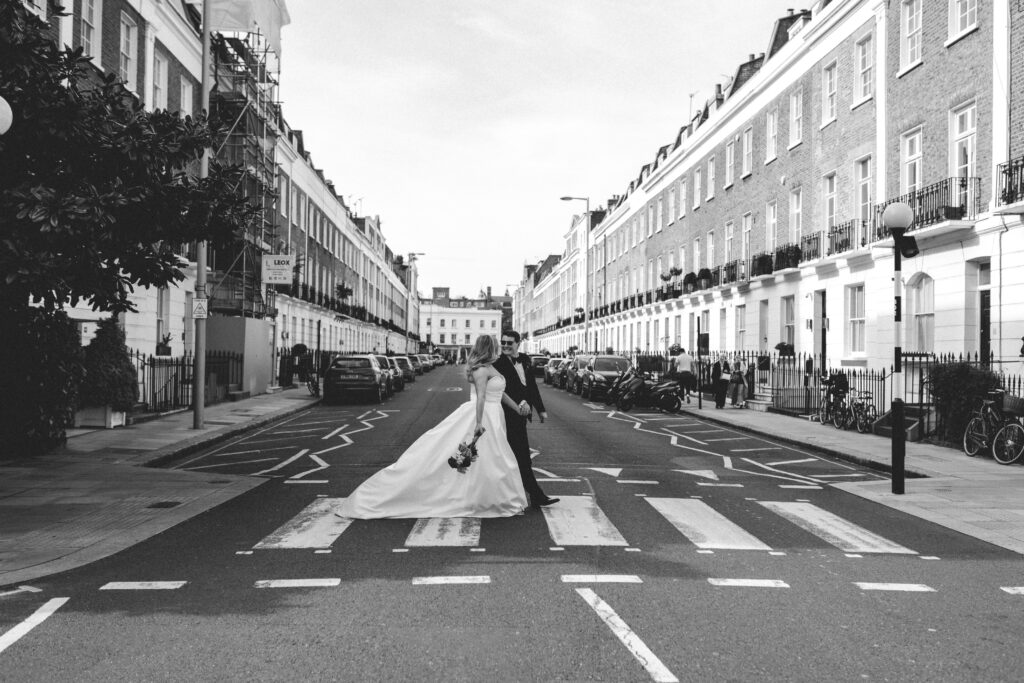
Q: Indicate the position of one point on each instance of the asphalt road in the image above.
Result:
(680, 551)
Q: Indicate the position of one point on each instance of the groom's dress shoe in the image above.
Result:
(544, 502)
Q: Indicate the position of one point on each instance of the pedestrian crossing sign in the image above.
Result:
(199, 310)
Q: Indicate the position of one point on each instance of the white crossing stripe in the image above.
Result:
(142, 585)
(749, 583)
(905, 587)
(445, 531)
(37, 617)
(707, 474)
(577, 520)
(611, 471)
(704, 526)
(655, 668)
(298, 583)
(316, 526)
(635, 481)
(447, 580)
(600, 578)
(1013, 590)
(833, 529)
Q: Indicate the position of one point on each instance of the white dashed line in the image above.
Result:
(142, 585)
(448, 580)
(38, 617)
(600, 578)
(903, 587)
(749, 583)
(298, 583)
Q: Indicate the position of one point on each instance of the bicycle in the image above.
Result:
(833, 390)
(1008, 443)
(986, 421)
(313, 384)
(864, 412)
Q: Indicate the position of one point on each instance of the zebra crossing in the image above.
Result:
(579, 521)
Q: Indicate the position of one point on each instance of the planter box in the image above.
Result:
(100, 417)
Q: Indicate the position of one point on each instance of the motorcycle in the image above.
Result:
(643, 390)
(615, 389)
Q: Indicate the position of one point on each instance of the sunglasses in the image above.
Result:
(507, 343)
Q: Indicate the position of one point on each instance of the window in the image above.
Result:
(671, 204)
(636, 231)
(910, 33)
(730, 162)
(771, 134)
(441, 321)
(696, 188)
(789, 320)
(186, 100)
(865, 64)
(711, 249)
(771, 220)
(829, 102)
(682, 258)
(730, 228)
(467, 338)
(910, 162)
(127, 62)
(921, 302)
(481, 324)
(428, 323)
(453, 323)
(796, 117)
(829, 200)
(963, 17)
(92, 11)
(441, 338)
(741, 328)
(796, 208)
(862, 176)
(696, 254)
(748, 223)
(964, 135)
(748, 151)
(682, 197)
(660, 215)
(855, 319)
(159, 81)
(711, 177)
(650, 219)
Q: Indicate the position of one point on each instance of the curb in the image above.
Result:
(168, 454)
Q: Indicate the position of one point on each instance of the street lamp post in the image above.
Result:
(409, 294)
(896, 218)
(586, 273)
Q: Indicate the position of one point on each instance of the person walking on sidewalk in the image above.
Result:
(720, 380)
(738, 382)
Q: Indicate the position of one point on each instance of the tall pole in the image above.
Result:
(586, 272)
(897, 217)
(199, 367)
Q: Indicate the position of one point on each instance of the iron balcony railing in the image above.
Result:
(846, 236)
(787, 256)
(761, 264)
(952, 199)
(810, 247)
(1011, 181)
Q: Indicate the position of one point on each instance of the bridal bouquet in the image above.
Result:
(465, 454)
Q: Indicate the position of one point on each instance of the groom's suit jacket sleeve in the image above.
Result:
(532, 392)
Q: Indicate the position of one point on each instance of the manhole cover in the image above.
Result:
(165, 504)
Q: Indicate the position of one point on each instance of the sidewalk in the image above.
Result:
(93, 498)
(975, 496)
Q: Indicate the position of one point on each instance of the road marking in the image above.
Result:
(444, 532)
(556, 479)
(142, 585)
(792, 462)
(839, 476)
(282, 463)
(225, 454)
(635, 481)
(226, 464)
(707, 431)
(21, 589)
(654, 667)
(730, 438)
(749, 583)
(833, 529)
(297, 583)
(448, 580)
(296, 431)
(316, 526)
(754, 450)
(707, 483)
(600, 578)
(929, 557)
(809, 487)
(707, 474)
(610, 471)
(339, 429)
(903, 587)
(1013, 590)
(37, 617)
(577, 520)
(306, 481)
(704, 526)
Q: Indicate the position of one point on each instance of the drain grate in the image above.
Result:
(165, 504)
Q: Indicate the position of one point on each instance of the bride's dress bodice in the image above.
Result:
(495, 388)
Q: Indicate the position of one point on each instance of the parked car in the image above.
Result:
(559, 373)
(549, 369)
(354, 374)
(599, 374)
(574, 373)
(537, 363)
(438, 360)
(397, 376)
(416, 363)
(428, 364)
(405, 365)
(386, 367)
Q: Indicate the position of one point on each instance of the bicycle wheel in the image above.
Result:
(1008, 445)
(841, 415)
(823, 415)
(860, 421)
(974, 437)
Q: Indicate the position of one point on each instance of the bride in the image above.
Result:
(421, 483)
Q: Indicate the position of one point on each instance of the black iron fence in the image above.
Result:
(1011, 181)
(165, 383)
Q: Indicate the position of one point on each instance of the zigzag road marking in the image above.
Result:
(367, 425)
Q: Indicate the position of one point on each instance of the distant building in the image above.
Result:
(450, 326)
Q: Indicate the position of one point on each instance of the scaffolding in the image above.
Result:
(244, 96)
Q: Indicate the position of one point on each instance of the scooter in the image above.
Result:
(645, 391)
(614, 392)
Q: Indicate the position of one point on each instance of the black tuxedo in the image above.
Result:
(515, 424)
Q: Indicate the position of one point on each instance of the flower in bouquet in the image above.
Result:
(465, 454)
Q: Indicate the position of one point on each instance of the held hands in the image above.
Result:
(524, 408)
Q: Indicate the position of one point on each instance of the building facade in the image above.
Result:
(451, 326)
(761, 222)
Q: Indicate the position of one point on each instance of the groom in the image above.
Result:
(521, 387)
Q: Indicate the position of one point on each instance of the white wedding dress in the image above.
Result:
(422, 484)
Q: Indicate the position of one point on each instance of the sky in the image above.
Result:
(460, 123)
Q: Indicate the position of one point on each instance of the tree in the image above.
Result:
(97, 195)
(110, 378)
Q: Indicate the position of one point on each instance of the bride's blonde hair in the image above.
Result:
(485, 351)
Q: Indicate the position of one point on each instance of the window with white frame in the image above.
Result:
(747, 225)
(921, 300)
(682, 258)
(128, 52)
(441, 338)
(650, 219)
(855, 319)
(159, 81)
(660, 219)
(682, 197)
(467, 338)
(828, 199)
(730, 162)
(741, 327)
(963, 17)
(789, 319)
(862, 177)
(651, 274)
(730, 228)
(796, 117)
(711, 249)
(771, 135)
(90, 26)
(696, 187)
(964, 139)
(796, 214)
(829, 94)
(696, 255)
(185, 101)
(864, 58)
(771, 224)
(910, 33)
(748, 151)
(636, 231)
(711, 177)
(671, 204)
(910, 162)
(660, 271)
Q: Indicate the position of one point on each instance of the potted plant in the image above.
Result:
(110, 387)
(785, 350)
(690, 281)
(163, 347)
(704, 276)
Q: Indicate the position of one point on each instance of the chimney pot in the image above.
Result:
(718, 89)
(790, 10)
(751, 57)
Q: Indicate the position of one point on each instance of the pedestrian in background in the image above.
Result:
(720, 379)
(738, 382)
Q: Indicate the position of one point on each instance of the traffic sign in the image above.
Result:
(199, 309)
